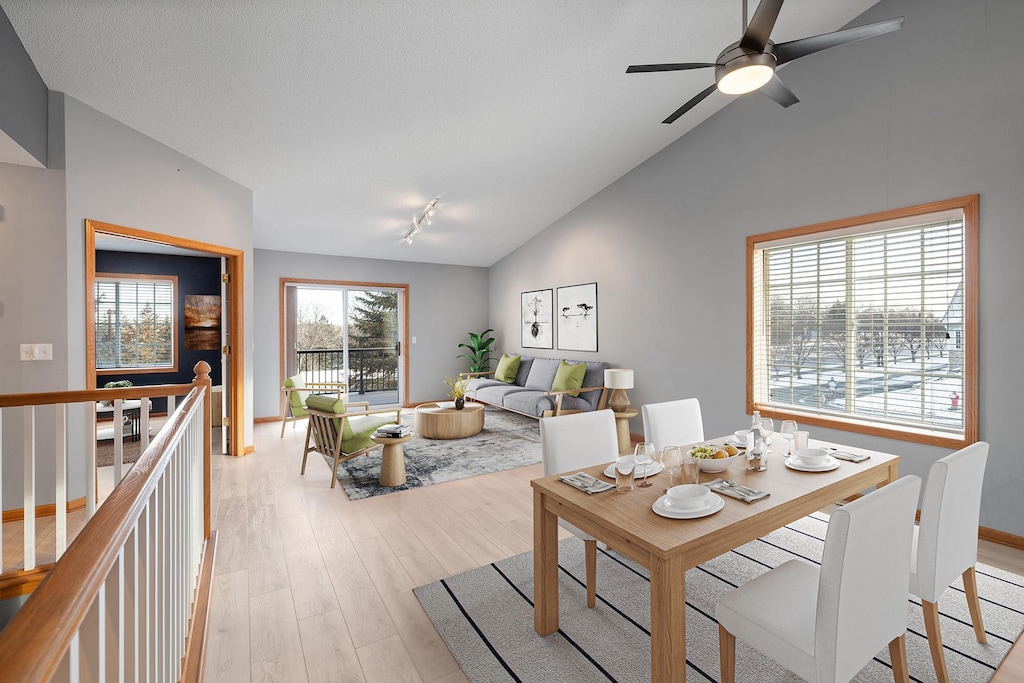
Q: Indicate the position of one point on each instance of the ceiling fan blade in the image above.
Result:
(795, 49)
(691, 104)
(647, 68)
(759, 30)
(778, 91)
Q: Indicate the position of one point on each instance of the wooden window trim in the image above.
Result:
(178, 338)
(969, 205)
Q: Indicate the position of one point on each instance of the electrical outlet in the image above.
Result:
(414, 340)
(25, 352)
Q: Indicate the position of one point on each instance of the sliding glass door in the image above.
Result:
(346, 333)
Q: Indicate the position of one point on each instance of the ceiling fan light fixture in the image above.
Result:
(745, 73)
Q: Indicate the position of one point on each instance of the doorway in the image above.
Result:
(232, 348)
(351, 332)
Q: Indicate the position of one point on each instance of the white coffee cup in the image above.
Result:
(687, 497)
(812, 457)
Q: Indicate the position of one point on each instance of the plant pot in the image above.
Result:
(460, 403)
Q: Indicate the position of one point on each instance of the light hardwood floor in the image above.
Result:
(312, 586)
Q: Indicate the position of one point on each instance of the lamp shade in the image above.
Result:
(618, 378)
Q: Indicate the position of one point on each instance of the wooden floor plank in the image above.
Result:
(275, 646)
(328, 650)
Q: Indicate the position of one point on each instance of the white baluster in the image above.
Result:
(60, 495)
(131, 606)
(114, 620)
(90, 465)
(90, 660)
(145, 591)
(170, 406)
(118, 440)
(143, 424)
(29, 490)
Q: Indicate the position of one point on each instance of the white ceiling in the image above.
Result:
(346, 118)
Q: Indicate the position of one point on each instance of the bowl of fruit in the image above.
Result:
(711, 458)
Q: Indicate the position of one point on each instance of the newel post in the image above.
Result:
(203, 383)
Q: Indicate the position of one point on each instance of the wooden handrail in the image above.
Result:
(43, 398)
(33, 644)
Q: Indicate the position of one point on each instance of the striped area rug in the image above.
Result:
(486, 618)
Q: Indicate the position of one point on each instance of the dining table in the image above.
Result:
(627, 523)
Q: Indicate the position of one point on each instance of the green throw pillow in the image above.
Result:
(508, 368)
(569, 376)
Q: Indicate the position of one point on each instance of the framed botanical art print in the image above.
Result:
(537, 322)
(577, 317)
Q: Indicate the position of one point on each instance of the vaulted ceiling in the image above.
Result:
(346, 118)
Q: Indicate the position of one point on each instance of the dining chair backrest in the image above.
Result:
(865, 571)
(947, 542)
(673, 423)
(570, 442)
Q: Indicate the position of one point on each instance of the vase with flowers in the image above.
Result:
(457, 390)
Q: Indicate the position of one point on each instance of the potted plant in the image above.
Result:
(119, 384)
(479, 348)
(457, 390)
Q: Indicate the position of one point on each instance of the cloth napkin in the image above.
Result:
(719, 486)
(843, 455)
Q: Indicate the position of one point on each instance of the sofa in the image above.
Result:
(531, 393)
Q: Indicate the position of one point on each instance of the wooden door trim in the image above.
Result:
(236, 328)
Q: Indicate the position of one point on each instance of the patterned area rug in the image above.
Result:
(131, 449)
(486, 618)
(507, 441)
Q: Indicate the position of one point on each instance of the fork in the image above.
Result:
(740, 487)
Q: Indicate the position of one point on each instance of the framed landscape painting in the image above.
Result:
(577, 317)
(537, 322)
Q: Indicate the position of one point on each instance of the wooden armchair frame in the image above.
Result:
(323, 437)
(338, 388)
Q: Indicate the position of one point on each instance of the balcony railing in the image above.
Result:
(370, 369)
(128, 598)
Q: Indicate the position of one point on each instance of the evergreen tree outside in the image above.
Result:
(372, 335)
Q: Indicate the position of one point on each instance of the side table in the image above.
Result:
(622, 429)
(392, 461)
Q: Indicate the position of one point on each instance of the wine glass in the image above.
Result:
(788, 432)
(672, 459)
(768, 427)
(644, 454)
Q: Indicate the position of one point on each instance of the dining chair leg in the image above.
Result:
(931, 628)
(973, 604)
(334, 471)
(727, 654)
(590, 551)
(283, 423)
(898, 656)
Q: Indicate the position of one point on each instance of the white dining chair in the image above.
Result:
(572, 442)
(946, 542)
(673, 423)
(825, 624)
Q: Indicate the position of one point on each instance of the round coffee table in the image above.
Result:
(392, 460)
(436, 421)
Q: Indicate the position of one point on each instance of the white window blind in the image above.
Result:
(134, 323)
(864, 326)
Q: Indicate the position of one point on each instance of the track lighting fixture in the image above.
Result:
(425, 217)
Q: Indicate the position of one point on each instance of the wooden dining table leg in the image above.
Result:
(668, 620)
(545, 567)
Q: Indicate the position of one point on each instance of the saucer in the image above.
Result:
(715, 504)
(653, 468)
(795, 463)
(736, 442)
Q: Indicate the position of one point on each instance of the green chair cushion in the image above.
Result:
(297, 399)
(508, 367)
(356, 432)
(569, 376)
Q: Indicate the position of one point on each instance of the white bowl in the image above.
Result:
(716, 464)
(812, 457)
(687, 497)
(741, 435)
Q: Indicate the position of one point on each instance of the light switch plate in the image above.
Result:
(28, 352)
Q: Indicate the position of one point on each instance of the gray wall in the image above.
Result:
(23, 104)
(117, 175)
(445, 302)
(930, 112)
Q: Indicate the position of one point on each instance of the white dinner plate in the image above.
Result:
(653, 467)
(715, 504)
(736, 442)
(794, 463)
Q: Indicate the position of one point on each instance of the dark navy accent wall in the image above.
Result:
(196, 275)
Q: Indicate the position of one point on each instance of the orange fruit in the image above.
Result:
(730, 449)
(719, 454)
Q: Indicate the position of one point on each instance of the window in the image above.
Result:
(135, 317)
(868, 324)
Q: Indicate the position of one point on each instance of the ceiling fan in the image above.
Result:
(750, 63)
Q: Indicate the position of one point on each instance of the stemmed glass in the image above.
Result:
(788, 432)
(672, 459)
(768, 427)
(644, 454)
